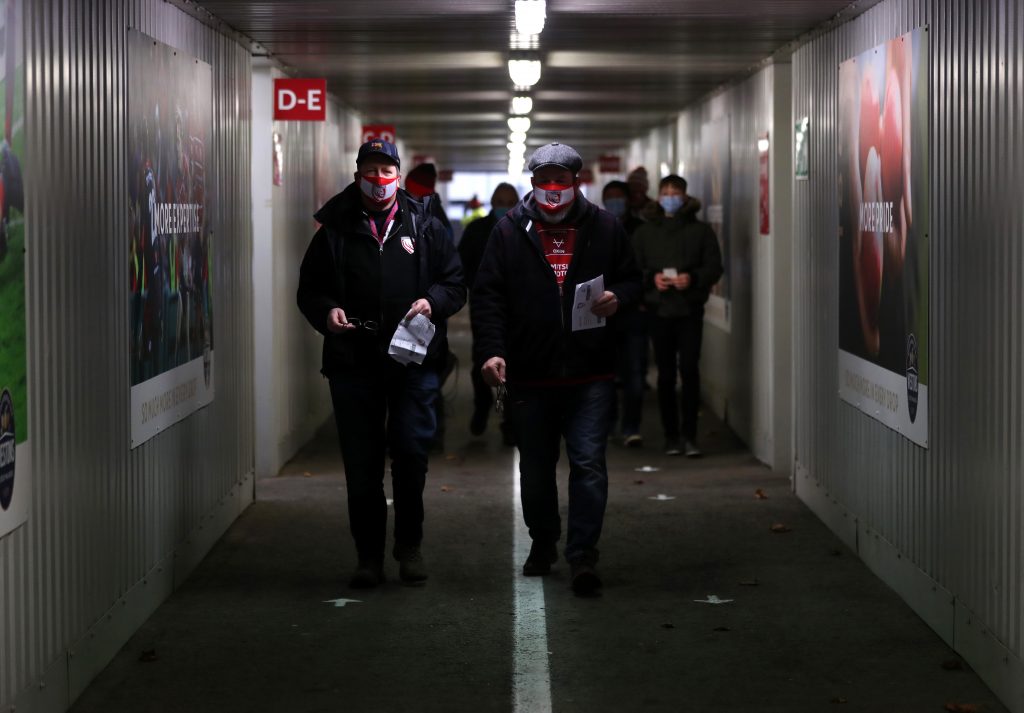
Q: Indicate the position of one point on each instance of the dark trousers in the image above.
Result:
(676, 343)
(483, 399)
(379, 409)
(631, 366)
(540, 418)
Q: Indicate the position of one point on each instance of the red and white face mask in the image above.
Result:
(554, 197)
(377, 188)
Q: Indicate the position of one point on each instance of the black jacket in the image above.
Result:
(517, 312)
(343, 249)
(472, 244)
(687, 244)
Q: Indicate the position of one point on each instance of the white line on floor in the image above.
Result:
(531, 676)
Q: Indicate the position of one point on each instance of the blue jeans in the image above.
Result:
(540, 417)
(385, 408)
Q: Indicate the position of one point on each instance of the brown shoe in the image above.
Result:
(367, 575)
(411, 568)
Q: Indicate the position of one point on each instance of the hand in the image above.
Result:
(337, 322)
(662, 282)
(682, 281)
(493, 371)
(607, 304)
(420, 306)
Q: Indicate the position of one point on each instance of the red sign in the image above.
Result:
(444, 175)
(609, 164)
(300, 99)
(384, 132)
(586, 176)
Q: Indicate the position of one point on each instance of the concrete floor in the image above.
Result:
(809, 628)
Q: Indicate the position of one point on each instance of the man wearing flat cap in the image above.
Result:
(553, 365)
(380, 259)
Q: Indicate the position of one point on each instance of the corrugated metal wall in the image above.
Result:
(727, 358)
(954, 510)
(103, 515)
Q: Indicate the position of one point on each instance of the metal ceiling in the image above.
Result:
(436, 69)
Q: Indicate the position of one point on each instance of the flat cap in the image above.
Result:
(556, 154)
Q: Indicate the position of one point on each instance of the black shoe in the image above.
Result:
(691, 450)
(367, 575)
(478, 423)
(585, 581)
(411, 568)
(542, 556)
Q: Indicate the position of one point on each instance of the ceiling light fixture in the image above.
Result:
(530, 16)
(517, 137)
(519, 123)
(524, 72)
(522, 105)
(523, 42)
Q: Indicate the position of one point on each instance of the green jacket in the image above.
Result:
(688, 245)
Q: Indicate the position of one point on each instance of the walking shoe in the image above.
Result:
(542, 556)
(411, 568)
(585, 581)
(633, 440)
(672, 448)
(367, 575)
(691, 450)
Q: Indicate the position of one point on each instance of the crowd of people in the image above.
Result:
(566, 300)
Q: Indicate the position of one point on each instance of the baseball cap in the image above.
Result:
(556, 154)
(378, 147)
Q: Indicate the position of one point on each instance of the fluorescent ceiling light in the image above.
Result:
(517, 137)
(762, 145)
(522, 105)
(519, 123)
(524, 72)
(530, 15)
(515, 149)
(523, 42)
(665, 170)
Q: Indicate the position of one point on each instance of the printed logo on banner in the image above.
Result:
(7, 449)
(912, 383)
(409, 245)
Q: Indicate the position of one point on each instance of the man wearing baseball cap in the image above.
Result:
(379, 259)
(555, 368)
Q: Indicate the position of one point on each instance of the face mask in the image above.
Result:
(500, 212)
(615, 206)
(377, 188)
(554, 198)
(671, 204)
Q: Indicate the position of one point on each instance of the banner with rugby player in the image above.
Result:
(171, 299)
(883, 161)
(15, 470)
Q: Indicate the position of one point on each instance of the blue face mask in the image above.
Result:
(615, 206)
(671, 204)
(500, 212)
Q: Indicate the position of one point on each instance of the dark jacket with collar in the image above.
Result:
(688, 245)
(517, 312)
(344, 258)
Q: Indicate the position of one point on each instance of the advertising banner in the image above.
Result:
(714, 187)
(883, 233)
(15, 470)
(171, 304)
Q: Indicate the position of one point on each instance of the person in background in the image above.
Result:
(471, 250)
(420, 183)
(379, 258)
(558, 381)
(630, 328)
(681, 261)
(641, 207)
